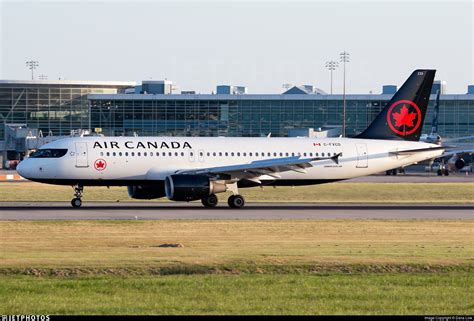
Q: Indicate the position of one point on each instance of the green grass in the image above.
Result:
(326, 193)
(133, 244)
(237, 267)
(438, 294)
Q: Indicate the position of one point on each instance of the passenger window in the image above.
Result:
(232, 154)
(214, 154)
(292, 154)
(281, 154)
(245, 154)
(144, 154)
(133, 154)
(191, 154)
(220, 153)
(126, 153)
(108, 154)
(269, 154)
(170, 154)
(164, 154)
(238, 153)
(304, 154)
(151, 153)
(101, 153)
(226, 154)
(182, 153)
(208, 154)
(114, 154)
(175, 153)
(250, 154)
(120, 153)
(256, 154)
(322, 154)
(287, 154)
(139, 154)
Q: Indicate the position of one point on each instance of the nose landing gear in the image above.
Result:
(78, 190)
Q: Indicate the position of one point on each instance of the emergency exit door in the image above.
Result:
(81, 155)
(362, 157)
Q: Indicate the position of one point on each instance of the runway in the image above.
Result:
(252, 211)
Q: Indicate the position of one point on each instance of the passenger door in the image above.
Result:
(362, 157)
(81, 155)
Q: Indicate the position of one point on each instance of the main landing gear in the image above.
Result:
(210, 201)
(78, 190)
(234, 201)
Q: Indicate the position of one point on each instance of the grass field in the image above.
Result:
(432, 294)
(235, 267)
(326, 193)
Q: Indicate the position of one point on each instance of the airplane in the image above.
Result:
(198, 168)
(455, 161)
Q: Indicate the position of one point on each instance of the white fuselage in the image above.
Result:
(124, 160)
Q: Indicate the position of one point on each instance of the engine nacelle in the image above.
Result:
(147, 192)
(456, 163)
(191, 187)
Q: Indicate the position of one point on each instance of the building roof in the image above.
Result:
(377, 97)
(70, 82)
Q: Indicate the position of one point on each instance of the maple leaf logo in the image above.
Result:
(404, 117)
(100, 164)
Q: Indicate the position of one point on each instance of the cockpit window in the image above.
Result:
(49, 153)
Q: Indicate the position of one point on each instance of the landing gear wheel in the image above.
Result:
(446, 172)
(236, 201)
(440, 172)
(76, 202)
(210, 201)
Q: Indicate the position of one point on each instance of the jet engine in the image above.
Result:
(456, 163)
(146, 192)
(191, 187)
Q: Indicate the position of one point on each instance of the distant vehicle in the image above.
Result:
(197, 168)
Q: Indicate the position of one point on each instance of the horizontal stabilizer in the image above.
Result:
(418, 150)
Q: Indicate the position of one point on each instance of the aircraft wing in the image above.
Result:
(271, 167)
(457, 152)
(457, 138)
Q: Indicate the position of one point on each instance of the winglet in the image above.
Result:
(335, 158)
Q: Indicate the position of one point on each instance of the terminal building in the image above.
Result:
(35, 112)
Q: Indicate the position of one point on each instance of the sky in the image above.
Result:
(261, 45)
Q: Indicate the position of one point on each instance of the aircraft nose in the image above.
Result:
(22, 169)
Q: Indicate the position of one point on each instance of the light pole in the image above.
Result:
(331, 65)
(32, 65)
(344, 58)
